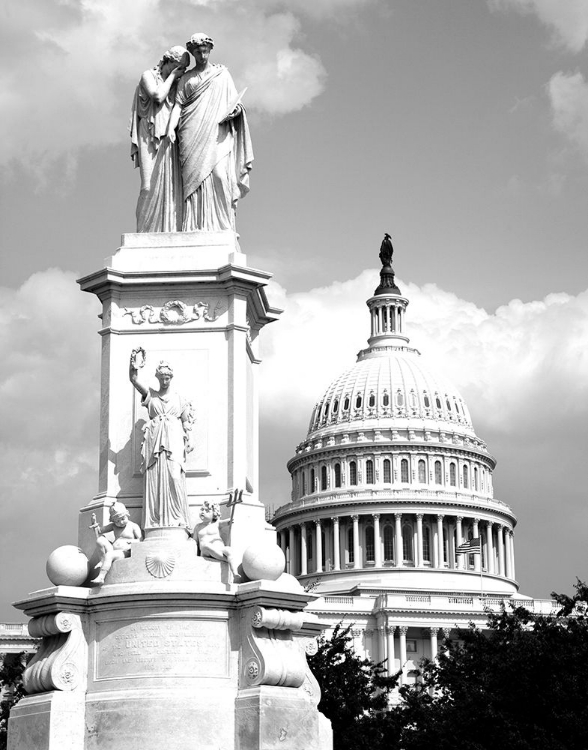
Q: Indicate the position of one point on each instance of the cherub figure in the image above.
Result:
(122, 532)
(207, 533)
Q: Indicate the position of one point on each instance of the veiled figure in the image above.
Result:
(159, 208)
(165, 446)
(214, 142)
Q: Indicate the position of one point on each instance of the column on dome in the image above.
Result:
(500, 543)
(507, 552)
(336, 544)
(477, 558)
(284, 546)
(377, 541)
(403, 630)
(292, 551)
(398, 546)
(489, 548)
(419, 550)
(434, 645)
(381, 631)
(512, 555)
(356, 560)
(451, 556)
(303, 553)
(440, 555)
(461, 559)
(318, 546)
(390, 649)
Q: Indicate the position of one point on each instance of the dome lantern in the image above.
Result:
(387, 306)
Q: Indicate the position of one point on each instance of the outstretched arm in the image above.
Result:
(137, 360)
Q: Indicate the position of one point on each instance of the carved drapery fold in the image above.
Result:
(61, 661)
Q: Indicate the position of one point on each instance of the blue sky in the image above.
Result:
(461, 128)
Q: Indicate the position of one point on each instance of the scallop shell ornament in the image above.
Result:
(160, 565)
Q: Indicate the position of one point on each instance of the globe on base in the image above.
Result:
(67, 566)
(263, 562)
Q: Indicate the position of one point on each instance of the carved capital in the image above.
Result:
(433, 631)
(446, 632)
(355, 518)
(317, 522)
(440, 517)
(390, 629)
(376, 516)
(335, 520)
(420, 516)
(403, 629)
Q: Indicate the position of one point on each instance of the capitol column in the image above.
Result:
(434, 645)
(477, 558)
(500, 542)
(377, 541)
(319, 546)
(489, 548)
(356, 560)
(403, 630)
(459, 535)
(507, 553)
(336, 543)
(512, 555)
(419, 555)
(303, 553)
(292, 551)
(440, 555)
(398, 546)
(390, 649)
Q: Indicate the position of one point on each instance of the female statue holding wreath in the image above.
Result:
(165, 446)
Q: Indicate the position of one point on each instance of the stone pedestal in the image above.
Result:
(173, 650)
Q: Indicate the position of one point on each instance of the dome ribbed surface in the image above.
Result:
(389, 388)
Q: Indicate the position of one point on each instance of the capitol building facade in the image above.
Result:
(389, 482)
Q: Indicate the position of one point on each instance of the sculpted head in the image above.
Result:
(199, 46)
(164, 373)
(119, 515)
(210, 511)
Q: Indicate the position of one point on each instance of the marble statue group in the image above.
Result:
(190, 141)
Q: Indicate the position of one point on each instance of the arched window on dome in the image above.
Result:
(466, 477)
(387, 471)
(335, 406)
(476, 481)
(312, 481)
(413, 400)
(426, 543)
(448, 404)
(438, 402)
(350, 550)
(399, 398)
(309, 543)
(346, 404)
(426, 401)
(372, 400)
(452, 475)
(352, 473)
(385, 400)
(358, 401)
(404, 470)
(388, 542)
(337, 475)
(370, 550)
(407, 552)
(326, 410)
(369, 471)
(303, 483)
(323, 478)
(438, 473)
(422, 469)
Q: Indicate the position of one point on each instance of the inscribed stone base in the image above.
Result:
(272, 718)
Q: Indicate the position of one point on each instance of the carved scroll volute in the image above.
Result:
(269, 655)
(309, 647)
(61, 661)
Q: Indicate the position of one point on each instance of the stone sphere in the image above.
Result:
(67, 566)
(263, 562)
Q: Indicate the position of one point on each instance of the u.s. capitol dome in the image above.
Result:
(390, 481)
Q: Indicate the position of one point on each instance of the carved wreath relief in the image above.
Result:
(174, 312)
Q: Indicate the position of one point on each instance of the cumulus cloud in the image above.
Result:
(567, 19)
(73, 88)
(568, 94)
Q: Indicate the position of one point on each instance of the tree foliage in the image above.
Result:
(354, 693)
(520, 684)
(11, 669)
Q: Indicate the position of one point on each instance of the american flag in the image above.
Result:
(471, 547)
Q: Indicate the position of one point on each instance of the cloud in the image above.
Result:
(73, 88)
(567, 19)
(568, 94)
